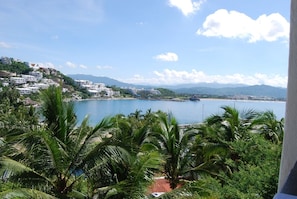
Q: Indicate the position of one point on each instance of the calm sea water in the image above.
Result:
(187, 112)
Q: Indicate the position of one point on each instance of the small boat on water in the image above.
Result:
(194, 98)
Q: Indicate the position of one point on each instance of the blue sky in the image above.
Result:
(152, 41)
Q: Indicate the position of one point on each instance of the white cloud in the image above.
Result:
(5, 45)
(104, 67)
(70, 64)
(83, 66)
(186, 6)
(167, 57)
(174, 77)
(233, 24)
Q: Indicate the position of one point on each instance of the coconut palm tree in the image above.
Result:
(173, 142)
(232, 124)
(59, 116)
(139, 175)
(58, 157)
(209, 153)
(66, 160)
(134, 175)
(212, 149)
(270, 127)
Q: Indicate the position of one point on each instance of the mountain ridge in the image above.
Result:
(102, 79)
(214, 89)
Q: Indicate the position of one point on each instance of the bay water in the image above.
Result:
(186, 112)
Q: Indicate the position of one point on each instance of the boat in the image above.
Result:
(194, 98)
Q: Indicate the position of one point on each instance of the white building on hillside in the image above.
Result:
(17, 80)
(29, 78)
(41, 85)
(84, 83)
(49, 82)
(38, 75)
(24, 91)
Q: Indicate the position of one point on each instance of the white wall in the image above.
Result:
(289, 153)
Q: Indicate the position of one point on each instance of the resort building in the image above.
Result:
(29, 78)
(17, 80)
(38, 75)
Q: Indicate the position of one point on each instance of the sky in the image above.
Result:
(152, 42)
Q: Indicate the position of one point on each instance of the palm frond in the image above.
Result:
(25, 193)
(57, 156)
(16, 168)
(140, 176)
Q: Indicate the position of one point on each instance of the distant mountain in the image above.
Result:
(214, 89)
(257, 90)
(99, 79)
(202, 84)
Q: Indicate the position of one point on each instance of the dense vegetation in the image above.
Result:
(16, 67)
(232, 155)
(69, 82)
(58, 77)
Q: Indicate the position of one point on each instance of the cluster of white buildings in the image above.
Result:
(249, 97)
(27, 84)
(98, 89)
(35, 81)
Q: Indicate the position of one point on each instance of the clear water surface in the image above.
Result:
(187, 112)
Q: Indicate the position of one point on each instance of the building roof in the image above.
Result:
(159, 187)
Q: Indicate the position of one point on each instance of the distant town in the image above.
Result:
(29, 78)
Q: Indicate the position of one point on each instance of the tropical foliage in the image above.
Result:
(16, 67)
(46, 153)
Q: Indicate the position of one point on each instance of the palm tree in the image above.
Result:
(59, 116)
(232, 124)
(134, 175)
(55, 159)
(270, 127)
(61, 159)
(172, 142)
(139, 175)
(137, 114)
(209, 153)
(212, 149)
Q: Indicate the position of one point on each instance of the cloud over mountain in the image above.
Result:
(173, 77)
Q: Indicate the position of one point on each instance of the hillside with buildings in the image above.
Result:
(29, 78)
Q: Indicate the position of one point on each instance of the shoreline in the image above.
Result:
(173, 99)
(103, 99)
